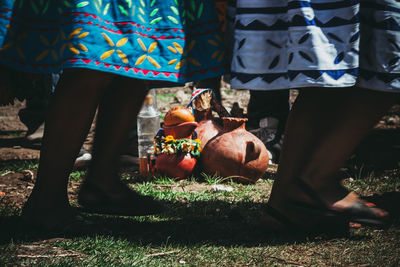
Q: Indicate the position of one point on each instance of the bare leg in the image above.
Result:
(117, 114)
(103, 191)
(70, 115)
(323, 128)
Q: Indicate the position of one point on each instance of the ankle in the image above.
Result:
(47, 200)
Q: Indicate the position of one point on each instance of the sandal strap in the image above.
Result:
(277, 215)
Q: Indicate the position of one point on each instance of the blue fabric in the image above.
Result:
(284, 44)
(165, 40)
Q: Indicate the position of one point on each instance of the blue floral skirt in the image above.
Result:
(283, 44)
(164, 40)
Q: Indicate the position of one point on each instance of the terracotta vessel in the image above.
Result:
(235, 153)
(178, 166)
(202, 110)
(179, 123)
(207, 127)
(177, 115)
(182, 130)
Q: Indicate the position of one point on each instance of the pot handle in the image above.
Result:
(252, 151)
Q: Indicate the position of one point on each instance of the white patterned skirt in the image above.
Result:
(285, 44)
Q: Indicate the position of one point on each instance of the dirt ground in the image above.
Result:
(379, 150)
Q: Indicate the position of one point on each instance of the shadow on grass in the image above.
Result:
(214, 222)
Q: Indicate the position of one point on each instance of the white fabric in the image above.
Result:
(283, 44)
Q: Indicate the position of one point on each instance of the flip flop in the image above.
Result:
(359, 212)
(325, 223)
(94, 200)
(365, 213)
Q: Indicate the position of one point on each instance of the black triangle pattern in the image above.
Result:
(314, 74)
(386, 77)
(297, 20)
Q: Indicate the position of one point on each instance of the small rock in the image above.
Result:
(181, 97)
(218, 187)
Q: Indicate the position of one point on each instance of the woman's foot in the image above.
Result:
(303, 222)
(52, 219)
(360, 211)
(117, 199)
(303, 208)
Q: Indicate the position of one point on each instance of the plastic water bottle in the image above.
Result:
(148, 123)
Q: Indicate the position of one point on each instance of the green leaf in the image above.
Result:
(97, 6)
(190, 16)
(200, 12)
(156, 20)
(141, 18)
(154, 12)
(152, 3)
(123, 10)
(193, 4)
(175, 10)
(174, 20)
(46, 6)
(105, 11)
(82, 4)
(142, 3)
(141, 10)
(34, 7)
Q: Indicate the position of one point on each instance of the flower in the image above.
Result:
(169, 138)
(169, 145)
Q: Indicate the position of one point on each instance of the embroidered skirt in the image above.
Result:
(281, 44)
(165, 40)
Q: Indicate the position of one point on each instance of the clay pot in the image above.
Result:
(207, 127)
(179, 166)
(178, 115)
(235, 152)
(182, 130)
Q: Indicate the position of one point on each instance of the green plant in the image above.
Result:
(212, 179)
(17, 166)
(77, 175)
(163, 180)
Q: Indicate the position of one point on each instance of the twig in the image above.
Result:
(7, 172)
(49, 256)
(157, 255)
(285, 261)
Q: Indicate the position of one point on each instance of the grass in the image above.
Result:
(17, 166)
(77, 175)
(165, 97)
(201, 227)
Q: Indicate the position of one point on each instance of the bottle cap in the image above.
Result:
(149, 100)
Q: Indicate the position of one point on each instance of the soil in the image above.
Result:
(379, 150)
